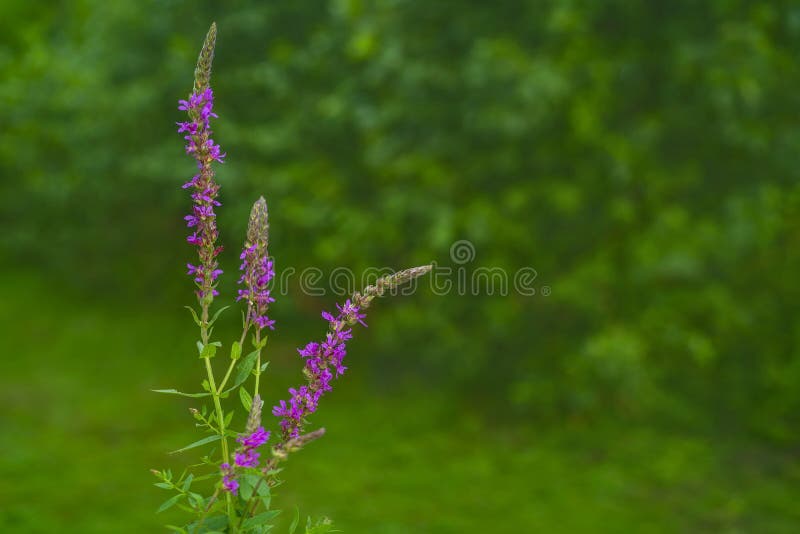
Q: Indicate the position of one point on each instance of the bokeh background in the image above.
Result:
(642, 157)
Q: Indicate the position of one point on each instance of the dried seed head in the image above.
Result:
(258, 227)
(202, 73)
(295, 444)
(254, 419)
(391, 281)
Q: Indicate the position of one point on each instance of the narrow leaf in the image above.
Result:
(247, 400)
(198, 443)
(295, 520)
(169, 503)
(216, 315)
(197, 500)
(194, 315)
(244, 367)
(176, 392)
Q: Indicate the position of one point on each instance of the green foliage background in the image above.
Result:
(641, 156)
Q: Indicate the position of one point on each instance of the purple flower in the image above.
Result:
(245, 457)
(321, 360)
(256, 439)
(257, 269)
(229, 483)
(203, 219)
(248, 458)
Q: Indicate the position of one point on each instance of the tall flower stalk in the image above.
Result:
(325, 360)
(257, 272)
(241, 478)
(202, 221)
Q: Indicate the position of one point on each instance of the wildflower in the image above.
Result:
(202, 219)
(257, 269)
(229, 483)
(248, 458)
(322, 357)
(254, 440)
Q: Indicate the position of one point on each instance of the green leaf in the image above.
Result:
(244, 367)
(236, 350)
(216, 315)
(215, 523)
(264, 366)
(258, 344)
(295, 520)
(173, 528)
(247, 400)
(228, 418)
(198, 443)
(210, 350)
(187, 483)
(182, 394)
(169, 503)
(163, 485)
(246, 485)
(197, 500)
(260, 519)
(194, 315)
(322, 526)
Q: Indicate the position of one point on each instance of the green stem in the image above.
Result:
(227, 376)
(258, 363)
(217, 405)
(241, 344)
(221, 427)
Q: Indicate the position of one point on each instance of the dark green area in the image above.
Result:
(642, 157)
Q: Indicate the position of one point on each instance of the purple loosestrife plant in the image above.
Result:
(229, 490)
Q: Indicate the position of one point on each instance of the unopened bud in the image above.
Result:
(254, 419)
(202, 73)
(258, 227)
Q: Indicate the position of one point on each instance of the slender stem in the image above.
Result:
(241, 345)
(211, 502)
(217, 405)
(258, 362)
(246, 323)
(227, 376)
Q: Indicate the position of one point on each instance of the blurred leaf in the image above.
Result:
(198, 443)
(169, 503)
(247, 400)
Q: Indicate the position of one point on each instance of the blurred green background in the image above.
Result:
(642, 157)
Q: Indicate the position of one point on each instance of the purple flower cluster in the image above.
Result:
(229, 483)
(257, 271)
(245, 456)
(202, 220)
(322, 360)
